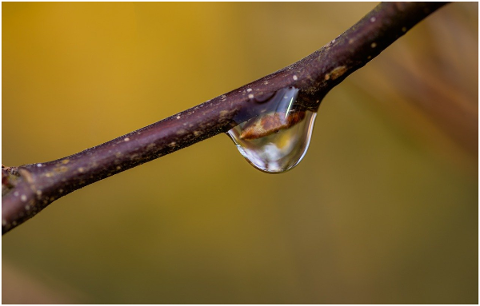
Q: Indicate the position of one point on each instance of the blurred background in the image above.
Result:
(383, 209)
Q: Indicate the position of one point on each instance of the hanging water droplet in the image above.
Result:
(277, 138)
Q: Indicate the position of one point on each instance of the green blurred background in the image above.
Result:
(383, 209)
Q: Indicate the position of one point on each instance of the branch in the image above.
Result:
(28, 189)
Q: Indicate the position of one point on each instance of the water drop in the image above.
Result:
(276, 137)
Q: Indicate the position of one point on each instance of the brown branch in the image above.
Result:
(30, 188)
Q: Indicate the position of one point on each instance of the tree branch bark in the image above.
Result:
(28, 189)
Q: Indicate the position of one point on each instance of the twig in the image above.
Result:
(30, 188)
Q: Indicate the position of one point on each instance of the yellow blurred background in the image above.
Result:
(383, 209)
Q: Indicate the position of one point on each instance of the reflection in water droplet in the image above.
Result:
(277, 138)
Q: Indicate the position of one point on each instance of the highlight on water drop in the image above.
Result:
(277, 135)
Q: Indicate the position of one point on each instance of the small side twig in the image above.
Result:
(30, 188)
